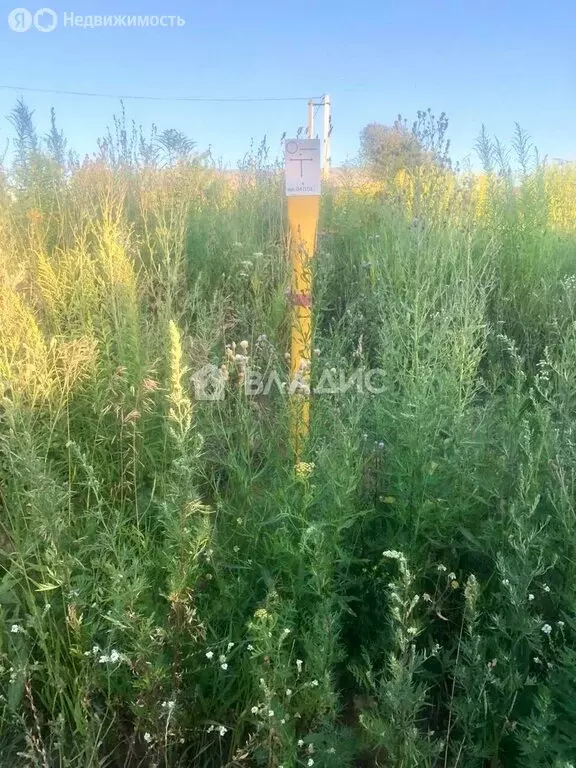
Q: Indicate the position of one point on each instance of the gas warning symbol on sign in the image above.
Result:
(302, 163)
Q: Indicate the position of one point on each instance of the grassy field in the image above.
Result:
(174, 590)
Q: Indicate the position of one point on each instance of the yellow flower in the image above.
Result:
(304, 470)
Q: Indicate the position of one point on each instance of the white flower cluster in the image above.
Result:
(301, 383)
(222, 659)
(221, 729)
(114, 657)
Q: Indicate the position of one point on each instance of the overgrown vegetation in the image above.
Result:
(385, 149)
(174, 590)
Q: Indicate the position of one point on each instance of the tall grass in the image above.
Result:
(174, 590)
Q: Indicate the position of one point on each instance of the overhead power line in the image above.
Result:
(158, 98)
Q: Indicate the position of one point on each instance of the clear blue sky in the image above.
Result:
(491, 61)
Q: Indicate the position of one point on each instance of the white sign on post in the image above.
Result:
(302, 161)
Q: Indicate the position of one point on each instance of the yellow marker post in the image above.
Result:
(302, 158)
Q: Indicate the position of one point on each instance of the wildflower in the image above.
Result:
(210, 655)
(560, 624)
(250, 647)
(299, 663)
(169, 705)
(270, 713)
(300, 742)
(236, 549)
(222, 659)
(310, 762)
(537, 660)
(331, 751)
(115, 657)
(530, 597)
(304, 470)
(230, 646)
(412, 631)
(546, 588)
(222, 730)
(210, 729)
(288, 692)
(16, 629)
(506, 582)
(239, 520)
(454, 584)
(244, 345)
(283, 721)
(452, 576)
(310, 748)
(224, 666)
(546, 629)
(314, 683)
(254, 710)
(441, 568)
(147, 738)
(285, 633)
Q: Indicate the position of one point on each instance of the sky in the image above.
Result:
(492, 62)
